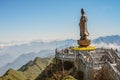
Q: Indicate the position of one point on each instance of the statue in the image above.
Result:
(83, 42)
(83, 25)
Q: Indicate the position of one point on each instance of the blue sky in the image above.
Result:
(25, 20)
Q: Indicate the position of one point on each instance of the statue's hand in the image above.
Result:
(86, 33)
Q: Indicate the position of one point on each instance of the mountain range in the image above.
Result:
(17, 55)
(45, 49)
(108, 39)
(4, 59)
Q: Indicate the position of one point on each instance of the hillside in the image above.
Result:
(41, 69)
(55, 71)
(23, 59)
(29, 71)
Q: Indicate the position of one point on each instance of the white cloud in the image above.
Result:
(104, 45)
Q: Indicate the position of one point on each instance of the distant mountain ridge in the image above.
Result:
(108, 39)
(4, 59)
(35, 47)
(17, 50)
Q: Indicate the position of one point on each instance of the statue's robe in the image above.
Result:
(83, 27)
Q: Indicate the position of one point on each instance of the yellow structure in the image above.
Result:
(88, 48)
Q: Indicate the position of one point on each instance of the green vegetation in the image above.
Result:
(58, 70)
(44, 69)
(13, 75)
(29, 71)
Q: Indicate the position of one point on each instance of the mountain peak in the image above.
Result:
(28, 71)
(37, 59)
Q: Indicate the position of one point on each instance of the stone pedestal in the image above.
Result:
(84, 43)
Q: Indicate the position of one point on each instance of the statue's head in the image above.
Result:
(82, 11)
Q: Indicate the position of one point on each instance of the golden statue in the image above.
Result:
(83, 25)
(83, 42)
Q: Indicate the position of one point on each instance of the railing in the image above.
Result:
(75, 55)
(115, 53)
(98, 64)
(118, 64)
(115, 73)
(65, 56)
(81, 56)
(110, 57)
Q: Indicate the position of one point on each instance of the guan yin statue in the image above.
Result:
(83, 41)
